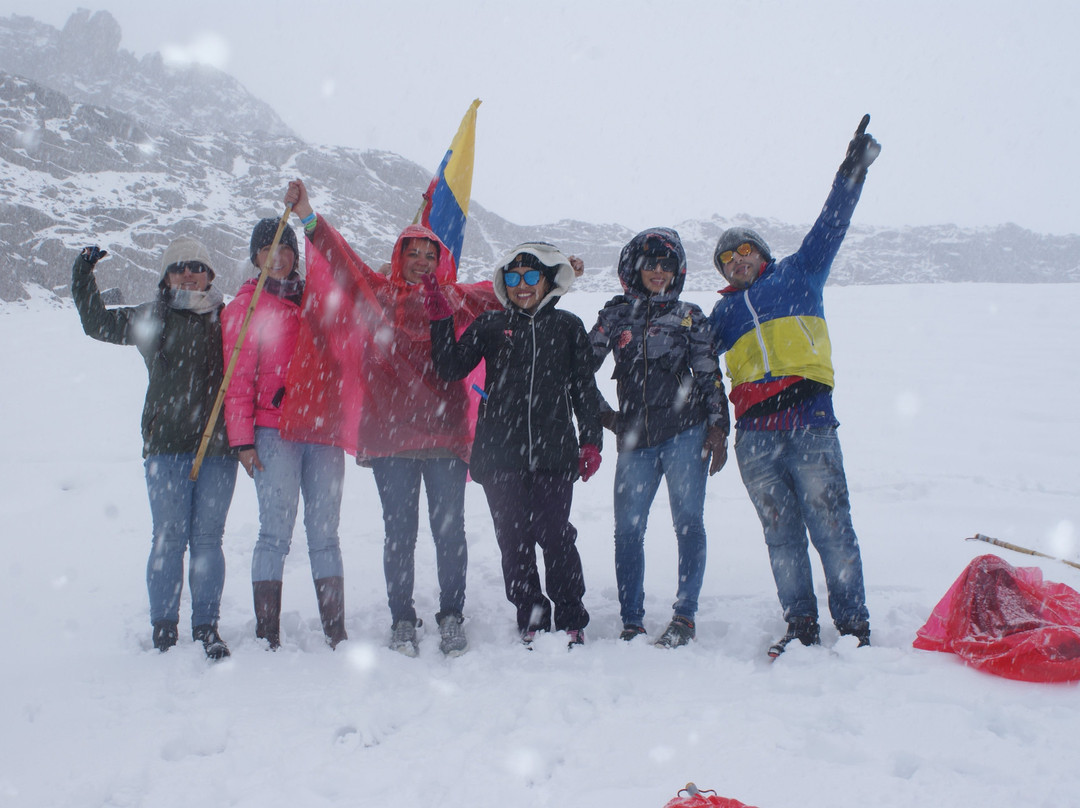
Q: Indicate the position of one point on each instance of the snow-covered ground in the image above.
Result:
(959, 410)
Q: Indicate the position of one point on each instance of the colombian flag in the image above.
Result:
(446, 201)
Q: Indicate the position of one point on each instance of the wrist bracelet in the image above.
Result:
(308, 219)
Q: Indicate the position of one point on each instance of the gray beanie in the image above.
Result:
(733, 237)
(185, 249)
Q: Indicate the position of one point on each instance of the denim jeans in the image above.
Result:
(637, 478)
(398, 480)
(290, 468)
(186, 515)
(796, 481)
(531, 509)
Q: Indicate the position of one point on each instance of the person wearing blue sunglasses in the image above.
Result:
(528, 453)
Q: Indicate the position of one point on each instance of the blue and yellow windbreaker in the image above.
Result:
(776, 327)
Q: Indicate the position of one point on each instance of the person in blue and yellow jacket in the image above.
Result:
(770, 324)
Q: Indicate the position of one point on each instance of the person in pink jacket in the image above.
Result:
(282, 468)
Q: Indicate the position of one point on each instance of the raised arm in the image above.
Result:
(107, 325)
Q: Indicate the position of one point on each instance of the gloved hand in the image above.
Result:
(436, 306)
(93, 254)
(588, 461)
(715, 445)
(861, 152)
(609, 420)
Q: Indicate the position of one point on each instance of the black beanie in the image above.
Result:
(263, 236)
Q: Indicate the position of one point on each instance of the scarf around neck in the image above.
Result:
(204, 302)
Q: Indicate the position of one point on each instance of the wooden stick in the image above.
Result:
(264, 273)
(1019, 549)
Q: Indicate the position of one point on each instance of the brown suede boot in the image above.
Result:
(331, 595)
(268, 612)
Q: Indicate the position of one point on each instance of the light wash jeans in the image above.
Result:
(398, 480)
(637, 478)
(796, 481)
(290, 468)
(186, 515)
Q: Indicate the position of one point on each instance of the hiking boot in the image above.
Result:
(860, 630)
(803, 629)
(576, 636)
(267, 595)
(630, 631)
(214, 646)
(403, 638)
(454, 642)
(527, 638)
(679, 632)
(330, 593)
(165, 634)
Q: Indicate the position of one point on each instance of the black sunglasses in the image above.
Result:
(194, 267)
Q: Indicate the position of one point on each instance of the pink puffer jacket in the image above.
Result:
(258, 381)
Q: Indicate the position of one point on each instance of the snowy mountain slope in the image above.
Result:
(91, 151)
(956, 416)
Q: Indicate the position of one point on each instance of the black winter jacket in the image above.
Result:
(183, 356)
(538, 378)
(666, 369)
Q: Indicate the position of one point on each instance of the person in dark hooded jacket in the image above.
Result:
(673, 416)
(527, 454)
(179, 337)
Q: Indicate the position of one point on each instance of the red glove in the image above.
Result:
(436, 306)
(588, 461)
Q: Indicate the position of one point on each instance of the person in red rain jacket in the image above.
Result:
(413, 426)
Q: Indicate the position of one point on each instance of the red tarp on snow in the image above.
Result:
(699, 799)
(1008, 621)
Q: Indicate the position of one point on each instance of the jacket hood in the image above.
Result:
(561, 274)
(445, 270)
(632, 258)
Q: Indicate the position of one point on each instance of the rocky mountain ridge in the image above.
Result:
(91, 153)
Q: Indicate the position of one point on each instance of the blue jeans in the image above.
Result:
(398, 480)
(796, 481)
(186, 515)
(290, 468)
(637, 478)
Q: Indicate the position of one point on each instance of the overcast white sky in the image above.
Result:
(650, 113)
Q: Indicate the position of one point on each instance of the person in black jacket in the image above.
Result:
(673, 416)
(179, 337)
(527, 454)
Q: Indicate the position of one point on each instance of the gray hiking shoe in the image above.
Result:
(679, 632)
(403, 638)
(454, 642)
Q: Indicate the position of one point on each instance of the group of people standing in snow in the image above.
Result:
(427, 380)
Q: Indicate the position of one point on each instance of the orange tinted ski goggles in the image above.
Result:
(743, 249)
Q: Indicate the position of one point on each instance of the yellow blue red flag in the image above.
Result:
(446, 201)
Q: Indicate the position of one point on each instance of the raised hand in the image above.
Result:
(861, 152)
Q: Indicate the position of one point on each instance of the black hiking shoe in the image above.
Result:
(630, 631)
(214, 646)
(576, 636)
(859, 630)
(680, 631)
(804, 629)
(165, 635)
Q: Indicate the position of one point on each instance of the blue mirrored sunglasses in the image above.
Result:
(531, 277)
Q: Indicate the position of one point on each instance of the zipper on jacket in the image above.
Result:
(806, 333)
(532, 378)
(757, 333)
(645, 376)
